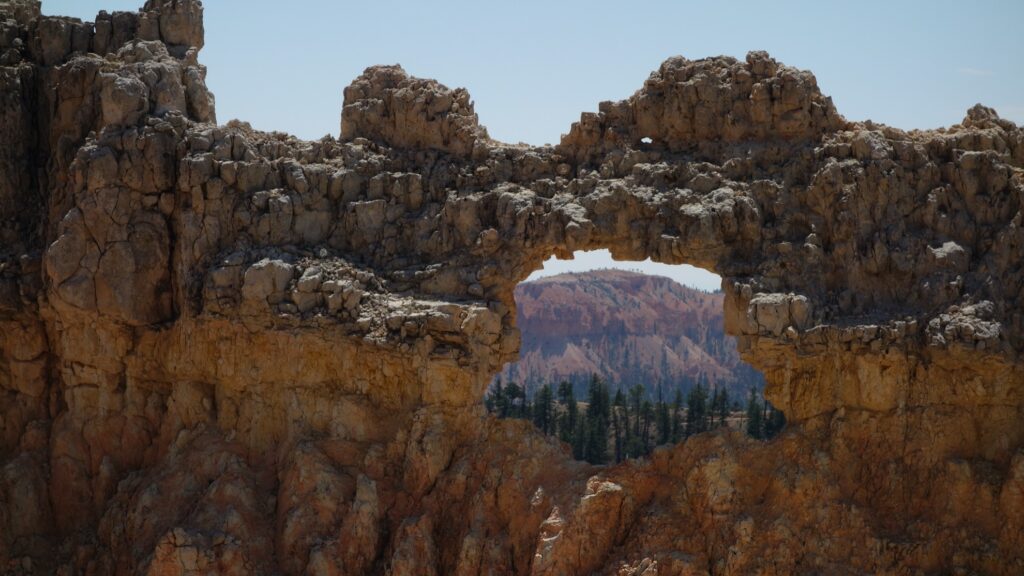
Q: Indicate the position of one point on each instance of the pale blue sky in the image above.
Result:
(583, 261)
(533, 66)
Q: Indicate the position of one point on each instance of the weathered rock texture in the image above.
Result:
(224, 351)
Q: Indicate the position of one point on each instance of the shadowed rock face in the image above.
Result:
(225, 351)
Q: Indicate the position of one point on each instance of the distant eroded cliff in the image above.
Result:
(628, 328)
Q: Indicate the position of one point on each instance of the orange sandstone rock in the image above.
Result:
(230, 352)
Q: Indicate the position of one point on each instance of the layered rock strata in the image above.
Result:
(232, 352)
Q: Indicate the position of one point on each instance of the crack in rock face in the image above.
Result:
(224, 351)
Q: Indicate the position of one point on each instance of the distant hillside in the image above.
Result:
(628, 327)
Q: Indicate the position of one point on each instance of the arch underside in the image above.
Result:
(230, 351)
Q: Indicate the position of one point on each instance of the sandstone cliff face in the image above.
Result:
(223, 351)
(629, 328)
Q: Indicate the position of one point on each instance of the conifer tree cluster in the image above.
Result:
(602, 428)
(763, 420)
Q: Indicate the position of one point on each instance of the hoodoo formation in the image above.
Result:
(231, 352)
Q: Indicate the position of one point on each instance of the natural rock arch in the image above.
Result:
(231, 351)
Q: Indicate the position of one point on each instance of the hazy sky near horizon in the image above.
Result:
(533, 66)
(597, 259)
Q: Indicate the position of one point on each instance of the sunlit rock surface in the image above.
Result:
(231, 352)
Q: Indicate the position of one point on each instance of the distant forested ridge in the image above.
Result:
(607, 427)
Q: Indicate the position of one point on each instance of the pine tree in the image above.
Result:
(664, 423)
(514, 398)
(677, 416)
(635, 396)
(634, 446)
(567, 398)
(696, 410)
(775, 422)
(598, 412)
(544, 409)
(723, 408)
(500, 400)
(491, 400)
(630, 442)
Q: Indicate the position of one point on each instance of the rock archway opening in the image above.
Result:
(617, 358)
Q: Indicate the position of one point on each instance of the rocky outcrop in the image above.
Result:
(387, 105)
(224, 351)
(629, 328)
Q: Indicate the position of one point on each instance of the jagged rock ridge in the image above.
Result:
(224, 351)
(628, 328)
